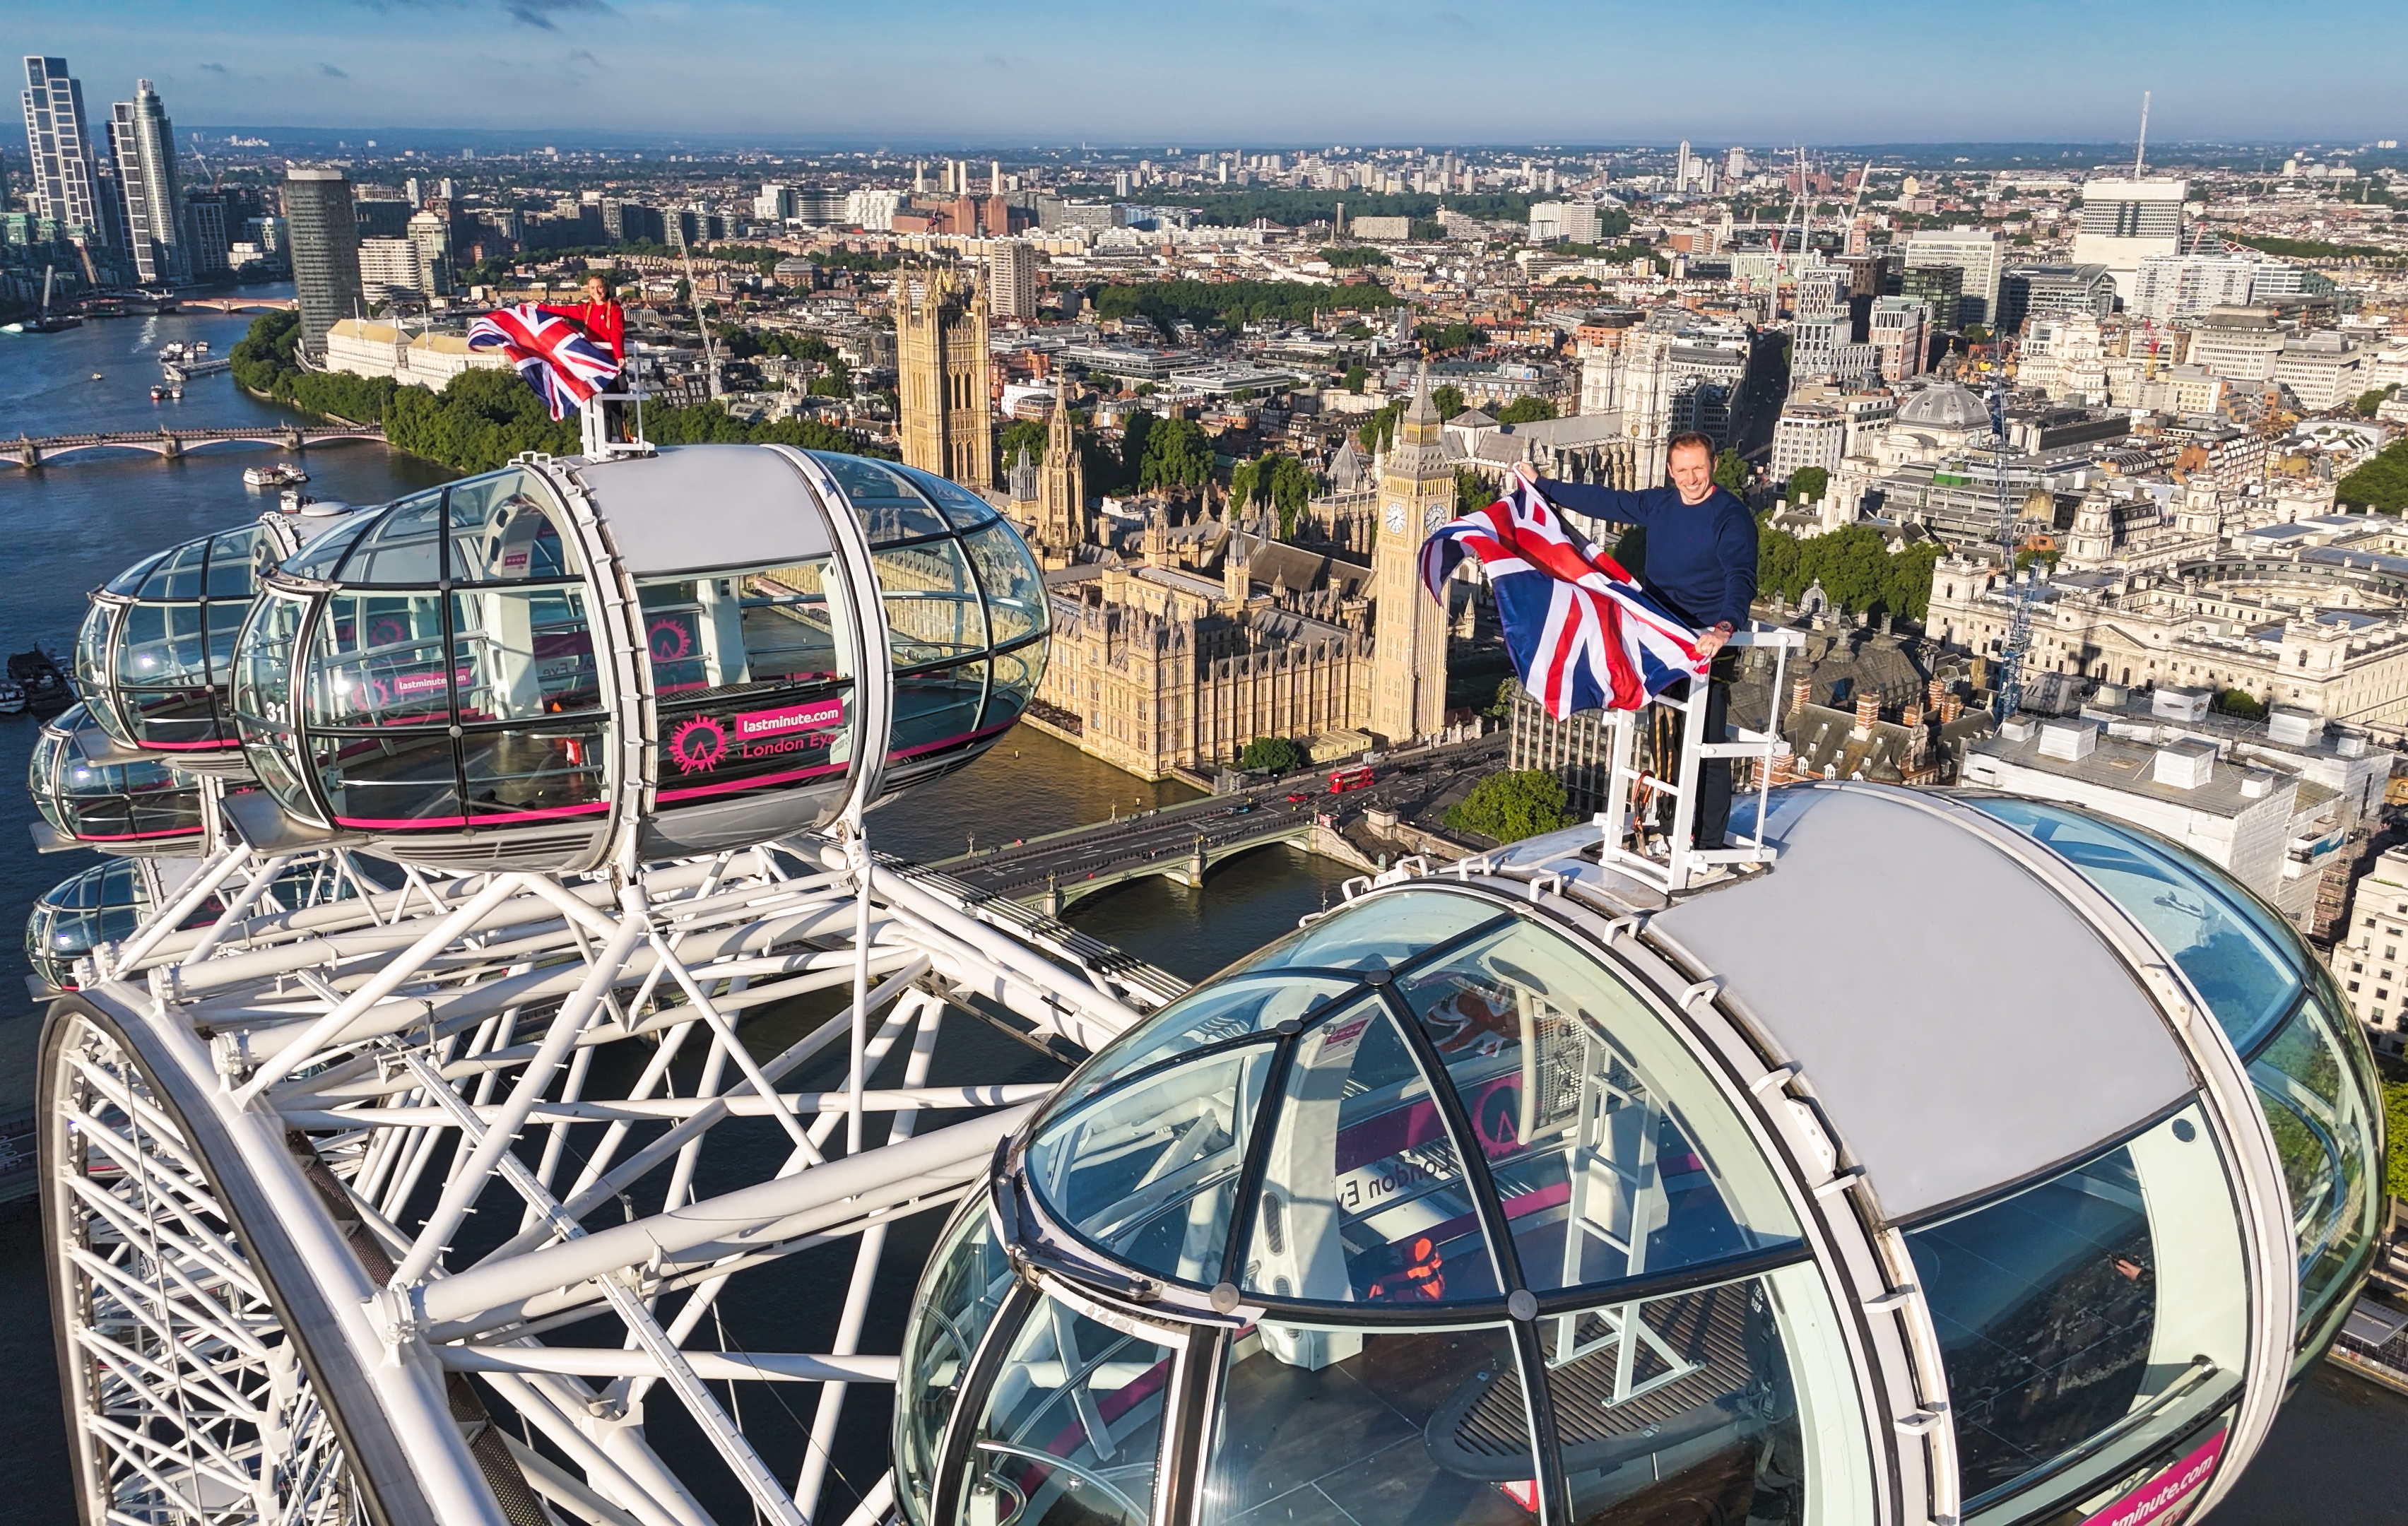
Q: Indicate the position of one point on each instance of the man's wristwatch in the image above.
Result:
(1724, 626)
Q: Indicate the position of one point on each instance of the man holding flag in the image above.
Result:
(1700, 566)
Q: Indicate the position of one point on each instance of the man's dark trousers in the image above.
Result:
(1714, 803)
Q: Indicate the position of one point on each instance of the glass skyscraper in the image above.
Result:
(66, 179)
(325, 235)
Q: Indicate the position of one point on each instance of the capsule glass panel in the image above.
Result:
(104, 903)
(155, 656)
(1330, 1424)
(1071, 1432)
(2087, 1318)
(967, 1278)
(90, 789)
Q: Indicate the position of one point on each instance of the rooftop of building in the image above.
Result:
(2077, 749)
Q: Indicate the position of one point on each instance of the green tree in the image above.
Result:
(1526, 410)
(1510, 805)
(2381, 483)
(1230, 303)
(1020, 434)
(1355, 377)
(2395, 1113)
(1177, 455)
(2370, 401)
(1134, 435)
(1503, 707)
(2242, 702)
(1976, 335)
(1808, 484)
(1379, 431)
(1280, 480)
(1272, 755)
(1447, 399)
(1440, 336)
(1354, 256)
(1730, 471)
(1471, 493)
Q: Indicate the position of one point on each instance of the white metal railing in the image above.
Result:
(1632, 791)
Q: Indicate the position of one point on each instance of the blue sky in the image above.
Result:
(1254, 71)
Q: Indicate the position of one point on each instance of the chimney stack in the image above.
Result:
(1868, 712)
(1911, 716)
(1950, 708)
(1932, 693)
(1801, 693)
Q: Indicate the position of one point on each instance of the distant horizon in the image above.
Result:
(1245, 73)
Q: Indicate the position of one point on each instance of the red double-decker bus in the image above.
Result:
(1343, 779)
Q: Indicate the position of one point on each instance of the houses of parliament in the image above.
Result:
(1177, 644)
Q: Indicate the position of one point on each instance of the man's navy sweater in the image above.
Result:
(1700, 557)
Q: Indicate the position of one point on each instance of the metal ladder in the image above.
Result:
(1682, 865)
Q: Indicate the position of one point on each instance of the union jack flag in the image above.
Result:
(558, 359)
(1582, 633)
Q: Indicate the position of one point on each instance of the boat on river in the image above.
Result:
(282, 474)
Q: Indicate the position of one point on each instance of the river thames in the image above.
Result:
(2337, 1454)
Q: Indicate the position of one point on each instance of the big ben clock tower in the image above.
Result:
(1409, 627)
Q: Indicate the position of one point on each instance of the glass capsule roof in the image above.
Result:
(156, 651)
(435, 673)
(90, 789)
(1440, 1098)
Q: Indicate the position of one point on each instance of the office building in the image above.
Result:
(204, 228)
(1939, 288)
(1808, 435)
(2169, 286)
(872, 209)
(2125, 222)
(2053, 291)
(1899, 331)
(2239, 344)
(326, 251)
(388, 270)
(66, 171)
(1559, 222)
(2320, 370)
(430, 239)
(142, 141)
(1980, 253)
(1011, 277)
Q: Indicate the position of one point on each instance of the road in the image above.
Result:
(1408, 784)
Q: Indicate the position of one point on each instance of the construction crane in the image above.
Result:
(693, 295)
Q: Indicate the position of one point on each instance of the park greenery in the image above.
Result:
(1808, 484)
(2381, 483)
(1230, 303)
(1273, 755)
(1236, 208)
(1439, 337)
(2309, 248)
(1855, 566)
(1167, 452)
(1280, 480)
(1354, 256)
(482, 417)
(1510, 804)
(1526, 410)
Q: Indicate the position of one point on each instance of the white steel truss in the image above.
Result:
(327, 1185)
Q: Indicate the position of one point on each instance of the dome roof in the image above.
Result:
(1950, 406)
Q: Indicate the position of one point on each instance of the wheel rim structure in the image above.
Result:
(264, 1137)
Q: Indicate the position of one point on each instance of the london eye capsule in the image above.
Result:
(109, 901)
(154, 656)
(92, 792)
(1522, 1196)
(655, 655)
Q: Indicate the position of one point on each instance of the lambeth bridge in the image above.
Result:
(170, 444)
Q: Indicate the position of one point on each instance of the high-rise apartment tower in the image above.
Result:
(66, 173)
(143, 142)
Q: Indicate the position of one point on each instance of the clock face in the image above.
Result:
(1432, 517)
(1395, 519)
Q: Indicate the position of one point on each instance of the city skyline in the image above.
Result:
(2061, 71)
